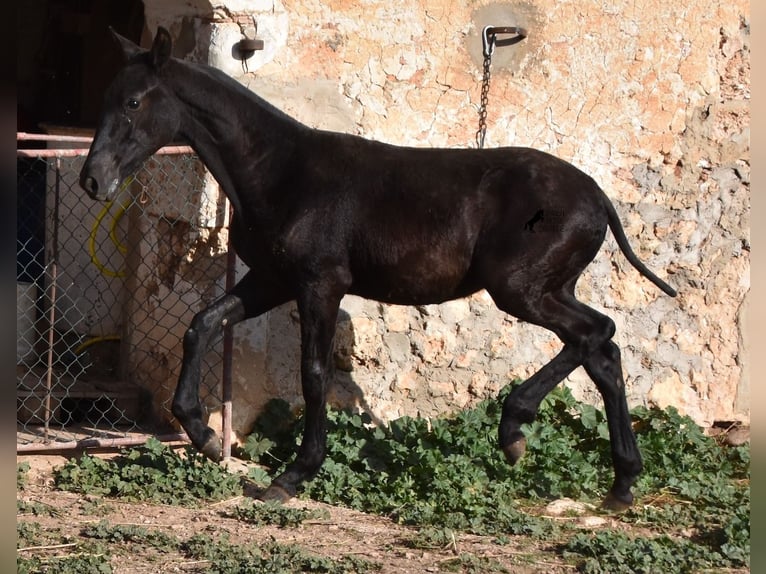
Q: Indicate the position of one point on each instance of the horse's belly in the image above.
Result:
(414, 281)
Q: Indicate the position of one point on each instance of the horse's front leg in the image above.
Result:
(318, 309)
(249, 298)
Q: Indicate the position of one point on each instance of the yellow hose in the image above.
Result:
(93, 340)
(112, 234)
(97, 262)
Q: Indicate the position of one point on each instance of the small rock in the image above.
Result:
(567, 507)
(591, 521)
(737, 436)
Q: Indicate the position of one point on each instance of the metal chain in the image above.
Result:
(482, 132)
(488, 50)
(489, 42)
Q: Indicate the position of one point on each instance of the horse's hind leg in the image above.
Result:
(556, 312)
(586, 335)
(605, 368)
(249, 298)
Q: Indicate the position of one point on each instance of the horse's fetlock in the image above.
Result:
(179, 411)
(633, 469)
(184, 410)
(520, 413)
(515, 450)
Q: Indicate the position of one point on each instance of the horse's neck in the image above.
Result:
(239, 137)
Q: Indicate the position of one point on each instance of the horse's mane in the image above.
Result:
(226, 81)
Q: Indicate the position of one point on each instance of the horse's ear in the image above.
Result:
(161, 47)
(128, 47)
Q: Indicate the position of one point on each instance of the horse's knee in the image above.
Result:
(191, 339)
(610, 353)
(186, 404)
(179, 406)
(201, 327)
(633, 466)
(314, 370)
(198, 333)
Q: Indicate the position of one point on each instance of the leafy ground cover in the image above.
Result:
(447, 472)
(419, 495)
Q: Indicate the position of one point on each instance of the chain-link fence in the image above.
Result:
(105, 293)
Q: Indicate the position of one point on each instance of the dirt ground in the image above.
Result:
(344, 532)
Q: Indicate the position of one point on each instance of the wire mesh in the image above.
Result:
(106, 291)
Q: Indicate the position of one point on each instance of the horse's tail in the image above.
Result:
(622, 241)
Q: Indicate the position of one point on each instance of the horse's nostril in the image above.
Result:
(91, 185)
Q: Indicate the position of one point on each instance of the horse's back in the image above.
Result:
(424, 225)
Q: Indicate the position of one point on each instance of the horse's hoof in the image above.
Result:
(617, 503)
(276, 493)
(515, 450)
(213, 449)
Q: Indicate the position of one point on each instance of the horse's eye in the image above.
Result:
(132, 104)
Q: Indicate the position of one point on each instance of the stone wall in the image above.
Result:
(651, 99)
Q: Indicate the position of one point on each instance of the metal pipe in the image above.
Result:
(167, 150)
(52, 310)
(228, 347)
(24, 136)
(51, 152)
(98, 443)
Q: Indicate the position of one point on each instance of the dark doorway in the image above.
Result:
(66, 58)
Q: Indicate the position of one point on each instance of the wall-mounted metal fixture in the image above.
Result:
(248, 45)
(490, 41)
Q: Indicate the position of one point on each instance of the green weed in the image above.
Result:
(81, 563)
(153, 472)
(448, 473)
(432, 538)
(611, 552)
(27, 534)
(274, 513)
(472, 564)
(80, 559)
(22, 476)
(36, 508)
(95, 506)
(130, 534)
(223, 557)
(447, 476)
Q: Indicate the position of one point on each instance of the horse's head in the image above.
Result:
(139, 116)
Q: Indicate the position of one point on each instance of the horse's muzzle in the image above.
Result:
(95, 189)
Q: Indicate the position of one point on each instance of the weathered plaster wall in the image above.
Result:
(650, 98)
